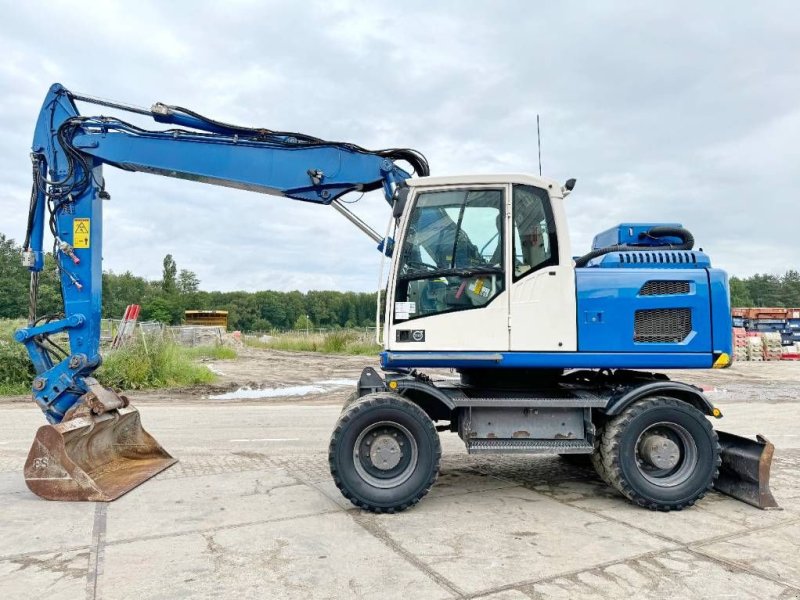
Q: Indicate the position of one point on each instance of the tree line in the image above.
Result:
(766, 290)
(179, 290)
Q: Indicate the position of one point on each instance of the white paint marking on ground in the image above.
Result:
(248, 393)
(265, 440)
(338, 382)
(319, 387)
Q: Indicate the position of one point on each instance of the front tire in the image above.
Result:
(660, 453)
(384, 453)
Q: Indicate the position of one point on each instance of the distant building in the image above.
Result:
(218, 318)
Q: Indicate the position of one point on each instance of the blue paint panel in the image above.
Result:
(545, 360)
(652, 259)
(721, 322)
(607, 300)
(627, 234)
(317, 173)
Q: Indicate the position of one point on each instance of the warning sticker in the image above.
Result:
(81, 233)
(405, 307)
(479, 288)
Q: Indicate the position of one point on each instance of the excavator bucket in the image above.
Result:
(744, 473)
(94, 458)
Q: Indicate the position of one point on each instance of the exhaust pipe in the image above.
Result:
(745, 469)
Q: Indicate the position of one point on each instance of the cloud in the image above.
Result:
(675, 112)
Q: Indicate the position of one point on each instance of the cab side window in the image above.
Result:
(534, 231)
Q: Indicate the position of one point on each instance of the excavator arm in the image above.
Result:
(69, 152)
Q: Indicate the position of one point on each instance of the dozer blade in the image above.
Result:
(744, 473)
(94, 458)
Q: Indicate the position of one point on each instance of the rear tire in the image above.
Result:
(597, 458)
(384, 453)
(350, 400)
(681, 468)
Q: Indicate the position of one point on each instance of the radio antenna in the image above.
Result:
(539, 141)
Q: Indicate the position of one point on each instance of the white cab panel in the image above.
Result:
(543, 311)
(474, 329)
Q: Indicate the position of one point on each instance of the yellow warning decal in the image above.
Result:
(81, 233)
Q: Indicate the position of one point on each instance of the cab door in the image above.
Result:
(450, 281)
(542, 287)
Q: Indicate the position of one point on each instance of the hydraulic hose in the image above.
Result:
(687, 243)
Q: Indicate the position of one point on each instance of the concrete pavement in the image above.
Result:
(250, 512)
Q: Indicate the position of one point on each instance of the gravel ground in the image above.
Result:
(250, 510)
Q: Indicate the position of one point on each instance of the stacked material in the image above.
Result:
(755, 348)
(771, 345)
(739, 344)
(791, 352)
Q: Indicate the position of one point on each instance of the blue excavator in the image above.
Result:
(555, 353)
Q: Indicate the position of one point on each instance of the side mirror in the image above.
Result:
(568, 187)
(400, 199)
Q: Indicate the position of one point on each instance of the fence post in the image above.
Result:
(144, 340)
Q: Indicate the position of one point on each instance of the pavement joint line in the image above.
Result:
(97, 549)
(677, 546)
(513, 587)
(529, 582)
(742, 567)
(703, 541)
(61, 549)
(693, 547)
(598, 514)
(728, 536)
(376, 531)
(664, 538)
(159, 536)
(315, 486)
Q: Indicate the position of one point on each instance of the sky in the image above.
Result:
(664, 112)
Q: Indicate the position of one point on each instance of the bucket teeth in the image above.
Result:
(745, 469)
(94, 458)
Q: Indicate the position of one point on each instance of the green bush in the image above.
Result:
(335, 342)
(216, 352)
(16, 369)
(154, 364)
(138, 365)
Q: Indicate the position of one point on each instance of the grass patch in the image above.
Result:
(159, 364)
(8, 327)
(335, 342)
(216, 352)
(16, 369)
(136, 366)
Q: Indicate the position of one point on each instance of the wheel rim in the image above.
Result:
(385, 454)
(666, 454)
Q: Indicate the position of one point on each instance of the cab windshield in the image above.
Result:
(452, 256)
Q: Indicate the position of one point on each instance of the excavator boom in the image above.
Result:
(95, 447)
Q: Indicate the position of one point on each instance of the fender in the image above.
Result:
(370, 382)
(425, 389)
(675, 389)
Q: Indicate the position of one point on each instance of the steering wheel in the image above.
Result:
(416, 265)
